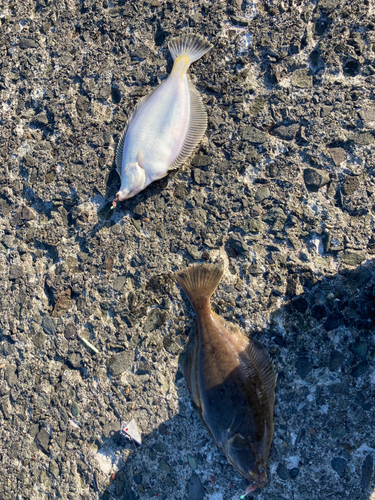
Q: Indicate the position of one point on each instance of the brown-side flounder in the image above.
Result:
(230, 379)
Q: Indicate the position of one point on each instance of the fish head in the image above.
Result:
(133, 180)
(242, 454)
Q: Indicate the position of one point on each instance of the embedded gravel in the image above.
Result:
(282, 189)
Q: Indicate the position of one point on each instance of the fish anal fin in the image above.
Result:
(196, 129)
(260, 364)
(189, 366)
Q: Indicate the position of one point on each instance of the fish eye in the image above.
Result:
(260, 469)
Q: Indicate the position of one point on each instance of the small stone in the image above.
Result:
(38, 339)
(338, 432)
(54, 469)
(328, 6)
(294, 472)
(194, 252)
(141, 52)
(352, 258)
(315, 179)
(159, 447)
(40, 119)
(154, 320)
(192, 462)
(327, 239)
(357, 278)
(201, 177)
(333, 321)
(286, 132)
(8, 241)
(351, 184)
(364, 139)
(49, 325)
(201, 161)
(367, 469)
(339, 388)
(42, 439)
(237, 243)
(15, 272)
(27, 214)
(75, 360)
(33, 430)
(338, 155)
(195, 488)
(252, 226)
(277, 218)
(367, 114)
(304, 366)
(75, 409)
(360, 369)
(338, 464)
(262, 193)
(11, 375)
(82, 105)
(5, 410)
(49, 177)
(325, 110)
(336, 360)
(27, 43)
(282, 472)
(301, 78)
(254, 135)
(70, 331)
(119, 283)
(165, 466)
(63, 303)
(360, 348)
(181, 192)
(120, 363)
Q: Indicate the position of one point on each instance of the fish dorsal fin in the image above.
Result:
(137, 108)
(261, 365)
(197, 127)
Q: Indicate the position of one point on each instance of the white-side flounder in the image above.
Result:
(166, 125)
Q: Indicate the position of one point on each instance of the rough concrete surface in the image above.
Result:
(282, 188)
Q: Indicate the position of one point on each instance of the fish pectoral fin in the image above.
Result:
(259, 363)
(140, 158)
(236, 422)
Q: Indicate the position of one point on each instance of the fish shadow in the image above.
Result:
(321, 343)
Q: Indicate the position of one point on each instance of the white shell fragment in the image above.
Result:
(131, 431)
(165, 126)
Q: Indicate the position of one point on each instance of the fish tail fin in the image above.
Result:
(192, 46)
(200, 281)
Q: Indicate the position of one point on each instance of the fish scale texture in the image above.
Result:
(281, 189)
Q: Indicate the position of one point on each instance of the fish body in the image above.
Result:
(230, 379)
(166, 125)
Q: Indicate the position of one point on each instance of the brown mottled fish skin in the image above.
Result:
(230, 379)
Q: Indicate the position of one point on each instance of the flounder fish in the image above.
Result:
(230, 379)
(166, 125)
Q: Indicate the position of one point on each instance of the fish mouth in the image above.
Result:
(260, 482)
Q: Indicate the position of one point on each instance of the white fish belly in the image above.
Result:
(159, 129)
